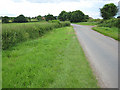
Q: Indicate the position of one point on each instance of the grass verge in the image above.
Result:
(56, 60)
(111, 32)
(86, 23)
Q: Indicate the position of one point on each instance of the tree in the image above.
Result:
(49, 17)
(69, 15)
(60, 17)
(5, 19)
(39, 17)
(20, 19)
(65, 16)
(108, 11)
(86, 17)
(77, 16)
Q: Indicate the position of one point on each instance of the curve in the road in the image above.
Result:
(102, 53)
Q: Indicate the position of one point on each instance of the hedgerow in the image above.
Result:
(18, 32)
(110, 23)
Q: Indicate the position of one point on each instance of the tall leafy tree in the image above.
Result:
(20, 19)
(69, 15)
(108, 11)
(86, 17)
(5, 19)
(39, 17)
(60, 17)
(65, 16)
(49, 17)
(77, 16)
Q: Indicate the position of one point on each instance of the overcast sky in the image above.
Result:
(34, 8)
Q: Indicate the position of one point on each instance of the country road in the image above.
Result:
(102, 53)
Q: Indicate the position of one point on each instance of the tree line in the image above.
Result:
(108, 11)
(21, 18)
(75, 16)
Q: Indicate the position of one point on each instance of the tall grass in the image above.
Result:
(17, 32)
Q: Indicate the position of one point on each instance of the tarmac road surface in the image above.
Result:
(102, 53)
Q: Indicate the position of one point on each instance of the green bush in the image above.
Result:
(54, 21)
(18, 32)
(94, 20)
(109, 23)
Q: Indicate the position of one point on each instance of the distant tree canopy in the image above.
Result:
(5, 19)
(39, 17)
(20, 19)
(108, 11)
(60, 17)
(49, 17)
(75, 16)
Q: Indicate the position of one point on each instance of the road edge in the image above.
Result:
(95, 73)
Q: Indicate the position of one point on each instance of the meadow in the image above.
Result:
(55, 60)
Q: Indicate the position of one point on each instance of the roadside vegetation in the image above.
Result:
(55, 60)
(111, 32)
(18, 32)
(109, 28)
(86, 23)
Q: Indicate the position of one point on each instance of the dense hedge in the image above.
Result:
(94, 20)
(17, 32)
(110, 23)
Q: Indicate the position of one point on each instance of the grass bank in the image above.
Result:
(56, 60)
(111, 32)
(86, 23)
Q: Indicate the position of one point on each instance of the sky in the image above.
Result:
(32, 8)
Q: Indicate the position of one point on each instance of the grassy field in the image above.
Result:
(111, 32)
(86, 23)
(55, 60)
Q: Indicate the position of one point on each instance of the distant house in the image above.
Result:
(43, 18)
(90, 18)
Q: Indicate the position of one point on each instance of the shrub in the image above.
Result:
(109, 23)
(18, 32)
